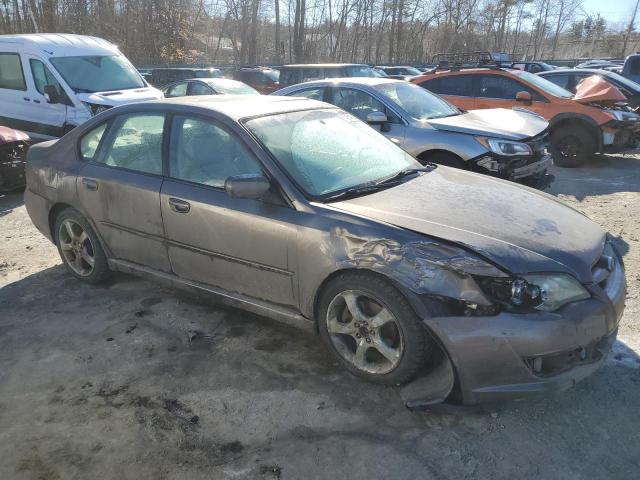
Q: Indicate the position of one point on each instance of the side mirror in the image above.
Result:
(51, 94)
(524, 97)
(377, 118)
(247, 185)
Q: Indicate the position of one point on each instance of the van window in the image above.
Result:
(97, 73)
(42, 76)
(290, 76)
(11, 74)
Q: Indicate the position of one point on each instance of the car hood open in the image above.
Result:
(518, 228)
(493, 122)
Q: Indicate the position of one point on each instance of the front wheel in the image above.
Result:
(372, 330)
(79, 247)
(572, 146)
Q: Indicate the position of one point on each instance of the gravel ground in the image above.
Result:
(134, 381)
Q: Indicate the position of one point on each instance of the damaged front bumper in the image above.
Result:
(512, 355)
(620, 135)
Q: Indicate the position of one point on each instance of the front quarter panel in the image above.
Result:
(423, 139)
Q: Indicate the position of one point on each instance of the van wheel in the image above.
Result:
(443, 158)
(80, 248)
(371, 329)
(571, 146)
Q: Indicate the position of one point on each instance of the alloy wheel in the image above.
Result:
(76, 247)
(364, 332)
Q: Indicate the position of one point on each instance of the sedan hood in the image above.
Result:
(120, 97)
(493, 122)
(516, 227)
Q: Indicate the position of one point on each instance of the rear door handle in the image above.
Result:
(179, 206)
(90, 184)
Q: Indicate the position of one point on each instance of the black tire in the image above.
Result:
(447, 159)
(417, 344)
(572, 146)
(98, 272)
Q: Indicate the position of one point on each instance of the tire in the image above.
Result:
(404, 340)
(443, 158)
(572, 146)
(77, 243)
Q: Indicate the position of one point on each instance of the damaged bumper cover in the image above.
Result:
(620, 135)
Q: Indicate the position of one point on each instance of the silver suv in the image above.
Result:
(510, 144)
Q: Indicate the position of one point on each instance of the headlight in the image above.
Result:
(556, 290)
(622, 116)
(505, 147)
(546, 292)
(94, 108)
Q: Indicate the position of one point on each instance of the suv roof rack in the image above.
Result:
(462, 60)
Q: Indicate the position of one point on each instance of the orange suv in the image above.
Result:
(578, 128)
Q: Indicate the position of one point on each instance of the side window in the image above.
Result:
(11, 74)
(207, 153)
(312, 93)
(309, 74)
(634, 68)
(357, 103)
(90, 141)
(459, 86)
(333, 73)
(290, 76)
(42, 76)
(499, 86)
(560, 80)
(534, 68)
(135, 143)
(178, 90)
(200, 89)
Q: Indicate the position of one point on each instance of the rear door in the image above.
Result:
(239, 245)
(119, 187)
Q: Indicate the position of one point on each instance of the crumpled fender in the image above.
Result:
(9, 135)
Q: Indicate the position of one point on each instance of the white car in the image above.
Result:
(51, 83)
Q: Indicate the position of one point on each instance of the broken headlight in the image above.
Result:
(94, 108)
(622, 116)
(505, 147)
(545, 292)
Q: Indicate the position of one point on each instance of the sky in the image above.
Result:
(615, 11)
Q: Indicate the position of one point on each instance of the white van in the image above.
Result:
(51, 83)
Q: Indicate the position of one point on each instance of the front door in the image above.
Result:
(239, 245)
(49, 115)
(119, 187)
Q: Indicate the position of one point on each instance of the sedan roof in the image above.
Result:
(237, 107)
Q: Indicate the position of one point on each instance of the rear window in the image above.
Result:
(11, 74)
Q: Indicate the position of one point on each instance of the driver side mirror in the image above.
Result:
(247, 185)
(524, 97)
(51, 94)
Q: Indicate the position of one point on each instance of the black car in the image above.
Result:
(399, 71)
(570, 78)
(533, 67)
(159, 77)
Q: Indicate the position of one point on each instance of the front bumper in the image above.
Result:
(619, 136)
(494, 357)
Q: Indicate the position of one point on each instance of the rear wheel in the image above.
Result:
(372, 330)
(79, 247)
(571, 146)
(443, 158)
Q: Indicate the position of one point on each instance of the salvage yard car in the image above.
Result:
(13, 149)
(578, 128)
(50, 83)
(417, 271)
(500, 142)
(207, 86)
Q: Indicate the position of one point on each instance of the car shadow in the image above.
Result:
(10, 201)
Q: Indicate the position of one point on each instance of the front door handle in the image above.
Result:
(179, 206)
(90, 184)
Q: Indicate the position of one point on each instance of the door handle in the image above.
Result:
(179, 206)
(90, 184)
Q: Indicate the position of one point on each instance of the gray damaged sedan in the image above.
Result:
(452, 284)
(509, 144)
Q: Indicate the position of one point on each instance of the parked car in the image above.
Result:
(160, 77)
(507, 291)
(631, 67)
(207, 86)
(264, 80)
(533, 67)
(50, 83)
(399, 72)
(504, 143)
(13, 149)
(294, 74)
(569, 79)
(578, 129)
(597, 64)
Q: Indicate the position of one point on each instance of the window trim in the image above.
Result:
(24, 79)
